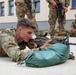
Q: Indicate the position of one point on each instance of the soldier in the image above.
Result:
(54, 15)
(13, 43)
(73, 29)
(26, 7)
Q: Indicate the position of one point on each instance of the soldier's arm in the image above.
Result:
(12, 49)
(33, 7)
(74, 30)
(72, 26)
(70, 33)
(67, 3)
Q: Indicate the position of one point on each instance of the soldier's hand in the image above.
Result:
(48, 43)
(74, 30)
(66, 9)
(35, 45)
(54, 4)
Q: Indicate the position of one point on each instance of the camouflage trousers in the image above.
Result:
(53, 17)
(21, 10)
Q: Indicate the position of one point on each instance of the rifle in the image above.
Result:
(64, 40)
(41, 39)
(60, 10)
(29, 5)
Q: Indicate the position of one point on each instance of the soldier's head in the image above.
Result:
(24, 31)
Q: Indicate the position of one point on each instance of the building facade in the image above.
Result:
(8, 14)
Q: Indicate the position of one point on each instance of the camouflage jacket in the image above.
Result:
(73, 26)
(71, 33)
(10, 47)
(65, 2)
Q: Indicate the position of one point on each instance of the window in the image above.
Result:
(74, 4)
(11, 7)
(2, 9)
(37, 5)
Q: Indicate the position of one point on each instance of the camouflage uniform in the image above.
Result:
(73, 26)
(10, 47)
(21, 10)
(53, 15)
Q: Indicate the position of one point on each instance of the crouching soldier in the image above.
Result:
(72, 32)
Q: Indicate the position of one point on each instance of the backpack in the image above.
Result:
(52, 55)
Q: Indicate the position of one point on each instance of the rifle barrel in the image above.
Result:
(71, 43)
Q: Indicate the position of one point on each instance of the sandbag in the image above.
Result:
(52, 55)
